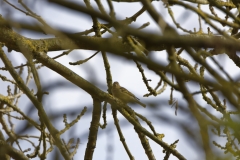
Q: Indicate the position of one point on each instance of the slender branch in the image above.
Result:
(12, 152)
(92, 137)
(42, 114)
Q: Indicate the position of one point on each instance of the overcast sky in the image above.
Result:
(68, 98)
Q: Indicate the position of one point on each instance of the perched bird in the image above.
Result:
(124, 95)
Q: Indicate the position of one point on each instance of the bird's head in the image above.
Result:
(116, 85)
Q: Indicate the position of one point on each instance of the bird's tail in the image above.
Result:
(142, 104)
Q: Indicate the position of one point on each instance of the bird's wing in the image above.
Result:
(124, 90)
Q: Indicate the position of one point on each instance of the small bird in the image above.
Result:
(124, 95)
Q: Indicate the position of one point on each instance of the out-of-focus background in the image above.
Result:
(66, 98)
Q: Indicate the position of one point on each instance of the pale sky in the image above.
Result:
(68, 100)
